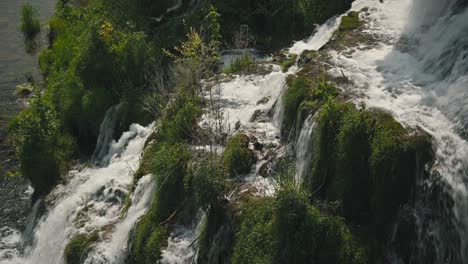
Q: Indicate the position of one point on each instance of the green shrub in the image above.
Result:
(209, 182)
(241, 64)
(78, 248)
(30, 25)
(237, 158)
(303, 233)
(42, 148)
(254, 240)
(290, 230)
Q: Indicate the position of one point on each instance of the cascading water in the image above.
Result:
(93, 201)
(106, 133)
(417, 69)
(304, 153)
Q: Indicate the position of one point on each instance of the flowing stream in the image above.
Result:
(416, 69)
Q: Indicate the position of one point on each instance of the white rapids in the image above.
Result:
(92, 200)
(417, 70)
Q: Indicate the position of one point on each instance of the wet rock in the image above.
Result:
(237, 125)
(263, 100)
(260, 116)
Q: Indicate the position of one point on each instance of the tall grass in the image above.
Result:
(30, 25)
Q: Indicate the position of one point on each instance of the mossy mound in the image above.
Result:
(78, 248)
(237, 158)
(368, 161)
(287, 62)
(303, 97)
(350, 22)
(288, 229)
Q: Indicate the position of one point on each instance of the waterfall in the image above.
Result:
(304, 151)
(92, 200)
(417, 70)
(183, 243)
(106, 133)
(114, 250)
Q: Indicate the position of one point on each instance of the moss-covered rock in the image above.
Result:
(303, 97)
(350, 22)
(368, 161)
(237, 158)
(78, 247)
(288, 229)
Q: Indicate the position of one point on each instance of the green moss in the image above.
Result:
(290, 230)
(350, 22)
(30, 25)
(241, 64)
(209, 182)
(156, 242)
(254, 240)
(298, 90)
(237, 158)
(361, 158)
(78, 248)
(303, 97)
(288, 62)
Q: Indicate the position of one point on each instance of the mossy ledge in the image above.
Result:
(363, 158)
(78, 247)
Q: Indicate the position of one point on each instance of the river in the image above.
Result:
(15, 64)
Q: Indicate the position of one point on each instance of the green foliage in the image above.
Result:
(254, 241)
(78, 248)
(350, 22)
(298, 90)
(361, 158)
(290, 230)
(42, 148)
(209, 182)
(276, 22)
(241, 64)
(156, 242)
(303, 97)
(237, 158)
(288, 62)
(30, 25)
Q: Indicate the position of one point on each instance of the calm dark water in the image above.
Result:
(15, 64)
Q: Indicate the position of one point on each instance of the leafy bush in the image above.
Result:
(30, 25)
(237, 157)
(78, 248)
(42, 148)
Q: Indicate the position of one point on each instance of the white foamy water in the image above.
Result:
(417, 70)
(319, 38)
(304, 152)
(183, 243)
(113, 250)
(91, 200)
